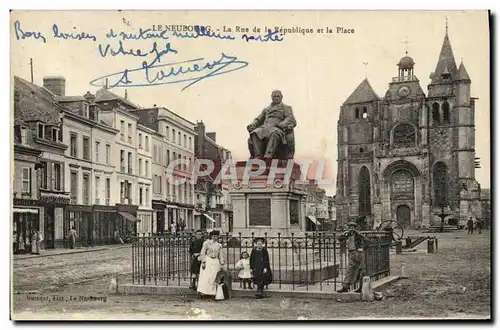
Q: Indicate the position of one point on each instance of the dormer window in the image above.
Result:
(85, 110)
(54, 134)
(41, 131)
(356, 113)
(24, 135)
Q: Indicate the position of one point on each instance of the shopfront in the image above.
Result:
(159, 213)
(25, 221)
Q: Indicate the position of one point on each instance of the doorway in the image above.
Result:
(403, 215)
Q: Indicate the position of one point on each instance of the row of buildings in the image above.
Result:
(100, 164)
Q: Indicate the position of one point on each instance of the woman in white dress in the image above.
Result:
(212, 259)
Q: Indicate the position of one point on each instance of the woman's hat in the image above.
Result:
(352, 223)
(255, 240)
(214, 233)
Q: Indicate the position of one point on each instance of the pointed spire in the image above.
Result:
(462, 73)
(363, 93)
(446, 61)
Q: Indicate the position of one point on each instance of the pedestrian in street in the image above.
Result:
(36, 242)
(479, 226)
(212, 259)
(172, 228)
(356, 244)
(177, 227)
(245, 274)
(260, 266)
(470, 226)
(72, 238)
(94, 238)
(194, 251)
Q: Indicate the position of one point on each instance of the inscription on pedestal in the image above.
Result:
(259, 212)
(294, 212)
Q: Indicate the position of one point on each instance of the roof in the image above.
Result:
(462, 73)
(34, 103)
(406, 62)
(363, 93)
(104, 94)
(446, 62)
(75, 98)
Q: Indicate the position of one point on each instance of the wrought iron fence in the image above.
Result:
(316, 261)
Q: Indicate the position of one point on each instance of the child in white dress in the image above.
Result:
(245, 274)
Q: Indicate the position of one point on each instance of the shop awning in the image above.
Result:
(33, 211)
(313, 220)
(129, 217)
(209, 218)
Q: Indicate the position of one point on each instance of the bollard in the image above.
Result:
(399, 247)
(367, 290)
(436, 240)
(403, 272)
(430, 246)
(408, 242)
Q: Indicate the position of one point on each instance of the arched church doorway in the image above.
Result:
(403, 215)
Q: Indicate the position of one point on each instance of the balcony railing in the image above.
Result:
(122, 168)
(405, 78)
(85, 200)
(97, 201)
(129, 171)
(129, 139)
(73, 200)
(107, 201)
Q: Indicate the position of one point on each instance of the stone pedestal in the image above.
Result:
(270, 203)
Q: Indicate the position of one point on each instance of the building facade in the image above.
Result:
(172, 159)
(39, 131)
(144, 188)
(213, 203)
(408, 156)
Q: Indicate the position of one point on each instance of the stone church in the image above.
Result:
(408, 156)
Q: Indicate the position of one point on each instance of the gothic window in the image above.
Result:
(435, 113)
(364, 192)
(440, 182)
(446, 112)
(356, 113)
(403, 136)
(402, 183)
(365, 113)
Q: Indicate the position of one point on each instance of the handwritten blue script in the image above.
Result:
(190, 71)
(74, 36)
(141, 35)
(269, 36)
(108, 51)
(201, 31)
(20, 34)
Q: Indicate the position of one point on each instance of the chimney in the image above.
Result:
(200, 139)
(57, 85)
(211, 135)
(89, 97)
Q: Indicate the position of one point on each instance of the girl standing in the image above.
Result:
(261, 269)
(212, 259)
(245, 274)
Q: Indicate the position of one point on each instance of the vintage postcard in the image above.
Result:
(250, 165)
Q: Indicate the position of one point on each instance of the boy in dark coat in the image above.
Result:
(260, 266)
(194, 251)
(356, 244)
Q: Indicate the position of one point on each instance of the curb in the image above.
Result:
(72, 252)
(138, 289)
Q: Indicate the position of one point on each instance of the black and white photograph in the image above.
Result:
(250, 165)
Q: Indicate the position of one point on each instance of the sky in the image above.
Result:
(316, 72)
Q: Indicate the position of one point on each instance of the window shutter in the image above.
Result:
(29, 177)
(53, 176)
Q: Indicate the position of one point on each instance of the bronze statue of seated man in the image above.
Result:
(271, 133)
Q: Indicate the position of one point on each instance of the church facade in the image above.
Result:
(408, 156)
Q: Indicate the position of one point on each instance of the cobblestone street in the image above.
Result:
(454, 285)
(49, 271)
